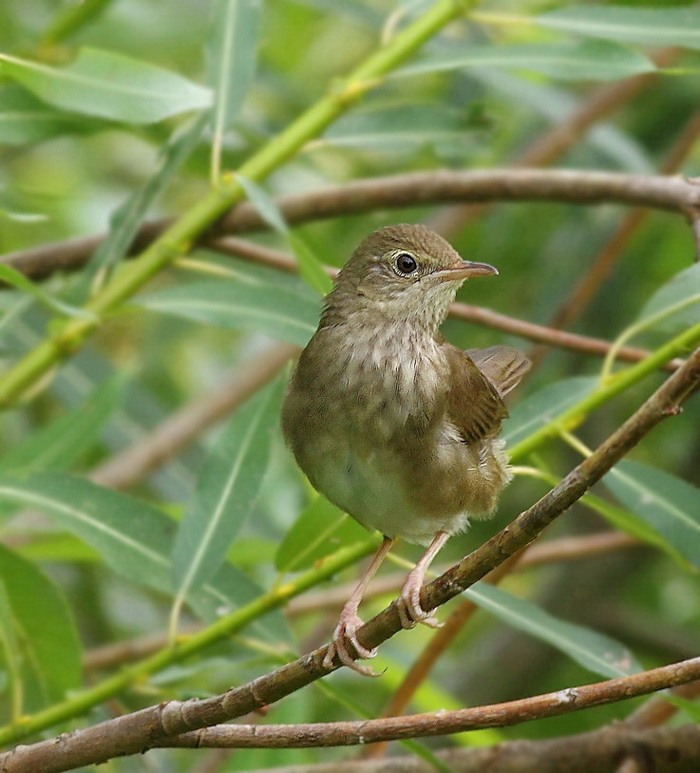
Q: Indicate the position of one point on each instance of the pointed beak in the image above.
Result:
(464, 269)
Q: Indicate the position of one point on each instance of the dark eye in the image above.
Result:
(406, 263)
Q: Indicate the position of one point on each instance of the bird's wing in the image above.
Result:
(504, 366)
(474, 406)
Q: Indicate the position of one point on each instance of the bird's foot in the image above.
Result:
(410, 610)
(344, 634)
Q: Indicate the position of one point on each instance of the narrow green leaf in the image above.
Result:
(23, 217)
(50, 649)
(267, 209)
(587, 60)
(57, 445)
(683, 290)
(649, 26)
(321, 529)
(544, 406)
(595, 652)
(136, 540)
(666, 503)
(258, 275)
(10, 655)
(231, 589)
(72, 19)
(310, 268)
(110, 86)
(125, 220)
(231, 61)
(25, 119)
(228, 487)
(128, 533)
(631, 524)
(21, 282)
(402, 126)
(230, 304)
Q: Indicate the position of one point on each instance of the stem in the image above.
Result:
(618, 383)
(178, 239)
(638, 327)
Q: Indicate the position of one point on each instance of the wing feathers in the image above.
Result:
(479, 380)
(504, 366)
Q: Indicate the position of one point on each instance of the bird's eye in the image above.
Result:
(406, 263)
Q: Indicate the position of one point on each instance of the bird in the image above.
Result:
(392, 423)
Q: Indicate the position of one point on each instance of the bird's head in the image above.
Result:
(404, 273)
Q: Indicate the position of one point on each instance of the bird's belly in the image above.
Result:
(372, 490)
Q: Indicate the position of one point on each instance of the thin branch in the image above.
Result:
(658, 710)
(443, 638)
(651, 714)
(437, 645)
(561, 549)
(359, 732)
(665, 750)
(548, 335)
(399, 191)
(134, 733)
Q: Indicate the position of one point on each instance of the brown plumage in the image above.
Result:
(392, 423)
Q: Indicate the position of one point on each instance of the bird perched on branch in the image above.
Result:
(392, 423)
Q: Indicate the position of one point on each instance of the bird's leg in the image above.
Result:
(409, 606)
(350, 621)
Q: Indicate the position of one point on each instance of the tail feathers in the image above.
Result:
(504, 366)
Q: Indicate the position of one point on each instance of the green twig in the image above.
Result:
(177, 239)
(638, 327)
(618, 383)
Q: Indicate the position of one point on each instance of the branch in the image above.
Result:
(142, 730)
(80, 702)
(665, 750)
(437, 645)
(364, 731)
(548, 335)
(674, 194)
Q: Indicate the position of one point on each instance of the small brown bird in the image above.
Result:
(392, 423)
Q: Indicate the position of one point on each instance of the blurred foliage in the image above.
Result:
(77, 162)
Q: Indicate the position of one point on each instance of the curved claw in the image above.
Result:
(345, 633)
(409, 608)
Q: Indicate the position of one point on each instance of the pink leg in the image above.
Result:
(410, 609)
(350, 621)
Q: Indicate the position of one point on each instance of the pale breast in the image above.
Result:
(368, 428)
